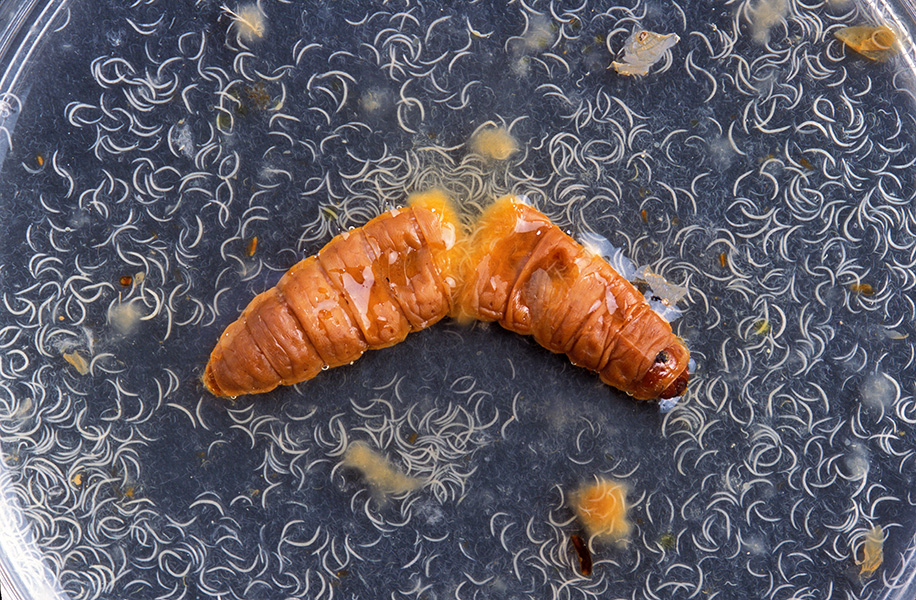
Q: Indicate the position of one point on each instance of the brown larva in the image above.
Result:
(366, 289)
(525, 273)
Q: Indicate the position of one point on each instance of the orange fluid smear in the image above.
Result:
(601, 507)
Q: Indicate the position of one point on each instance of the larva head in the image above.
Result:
(668, 376)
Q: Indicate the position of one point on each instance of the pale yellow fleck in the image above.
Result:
(872, 552)
(602, 508)
(78, 361)
(384, 478)
(877, 43)
(494, 142)
(764, 16)
(248, 21)
(77, 479)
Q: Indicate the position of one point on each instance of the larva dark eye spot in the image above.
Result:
(662, 357)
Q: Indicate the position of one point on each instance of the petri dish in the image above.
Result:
(163, 162)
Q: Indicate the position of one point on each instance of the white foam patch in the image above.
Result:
(615, 257)
(124, 317)
(879, 391)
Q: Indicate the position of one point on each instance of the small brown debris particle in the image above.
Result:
(252, 246)
(40, 160)
(582, 552)
(806, 163)
(258, 95)
(77, 479)
(723, 260)
(644, 215)
(864, 289)
(126, 280)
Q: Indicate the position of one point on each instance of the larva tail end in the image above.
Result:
(209, 381)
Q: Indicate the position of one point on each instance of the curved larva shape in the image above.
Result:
(532, 278)
(366, 289)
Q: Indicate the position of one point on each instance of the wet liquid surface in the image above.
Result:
(760, 165)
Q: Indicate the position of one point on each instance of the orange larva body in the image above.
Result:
(366, 289)
(525, 273)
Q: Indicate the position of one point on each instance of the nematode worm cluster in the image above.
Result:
(164, 162)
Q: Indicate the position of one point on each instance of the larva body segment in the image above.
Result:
(532, 278)
(366, 289)
(321, 311)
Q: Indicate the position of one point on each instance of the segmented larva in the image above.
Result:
(525, 273)
(370, 287)
(366, 289)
